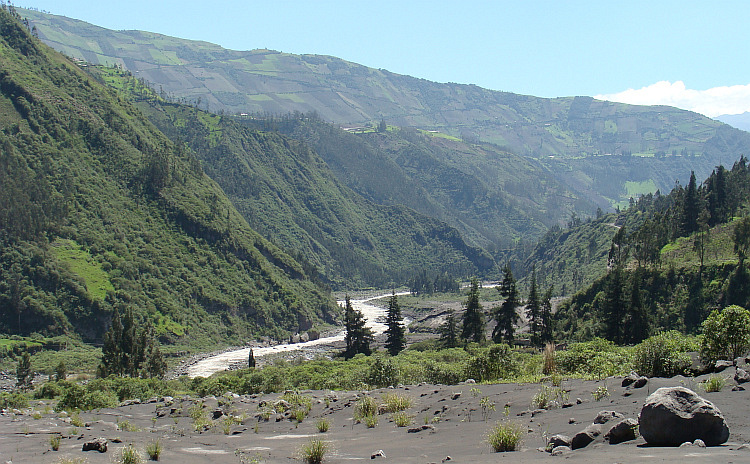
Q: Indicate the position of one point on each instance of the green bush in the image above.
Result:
(505, 437)
(597, 358)
(13, 400)
(382, 372)
(494, 363)
(664, 354)
(77, 397)
(726, 334)
(314, 451)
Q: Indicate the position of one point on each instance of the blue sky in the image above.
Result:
(684, 53)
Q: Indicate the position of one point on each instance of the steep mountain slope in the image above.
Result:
(493, 197)
(286, 192)
(99, 210)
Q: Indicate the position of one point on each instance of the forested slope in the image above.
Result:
(100, 210)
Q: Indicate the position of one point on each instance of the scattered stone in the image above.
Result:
(674, 415)
(741, 376)
(584, 438)
(106, 425)
(605, 416)
(630, 378)
(640, 382)
(560, 450)
(217, 414)
(738, 388)
(572, 420)
(447, 458)
(699, 443)
(421, 428)
(97, 444)
(744, 447)
(624, 430)
(558, 440)
(470, 381)
(567, 405)
(579, 401)
(721, 365)
(377, 454)
(456, 396)
(130, 402)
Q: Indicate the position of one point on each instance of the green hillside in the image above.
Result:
(671, 260)
(288, 193)
(578, 138)
(99, 210)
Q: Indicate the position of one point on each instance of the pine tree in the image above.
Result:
(24, 375)
(637, 319)
(473, 328)
(533, 310)
(449, 331)
(395, 333)
(358, 336)
(505, 315)
(690, 207)
(545, 332)
(128, 351)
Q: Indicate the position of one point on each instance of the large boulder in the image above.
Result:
(674, 415)
(624, 430)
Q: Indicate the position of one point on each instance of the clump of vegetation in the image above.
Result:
(402, 419)
(129, 455)
(395, 402)
(314, 451)
(598, 358)
(15, 400)
(371, 421)
(487, 406)
(726, 334)
(323, 425)
(505, 437)
(54, 441)
(154, 450)
(365, 407)
(600, 393)
(714, 384)
(664, 354)
(549, 397)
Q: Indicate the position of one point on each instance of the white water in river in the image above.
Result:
(220, 362)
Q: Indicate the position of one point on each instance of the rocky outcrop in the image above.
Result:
(674, 415)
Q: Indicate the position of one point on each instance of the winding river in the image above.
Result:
(373, 315)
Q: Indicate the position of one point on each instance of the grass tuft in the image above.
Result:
(314, 451)
(505, 437)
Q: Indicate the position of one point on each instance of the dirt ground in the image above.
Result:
(456, 427)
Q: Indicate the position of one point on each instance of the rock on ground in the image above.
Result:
(674, 415)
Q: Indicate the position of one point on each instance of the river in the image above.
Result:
(373, 315)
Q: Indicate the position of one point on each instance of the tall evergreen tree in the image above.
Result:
(449, 330)
(358, 336)
(533, 310)
(395, 333)
(128, 351)
(473, 328)
(505, 315)
(614, 305)
(636, 319)
(545, 332)
(690, 207)
(24, 376)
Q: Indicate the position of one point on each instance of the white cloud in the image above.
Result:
(712, 102)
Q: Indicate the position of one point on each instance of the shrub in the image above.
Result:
(54, 441)
(495, 363)
(548, 366)
(395, 402)
(505, 436)
(382, 372)
(714, 384)
(726, 334)
(154, 449)
(600, 393)
(371, 421)
(549, 397)
(366, 406)
(323, 425)
(401, 419)
(129, 455)
(663, 355)
(13, 400)
(314, 451)
(597, 358)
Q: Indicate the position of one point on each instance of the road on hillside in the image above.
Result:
(373, 315)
